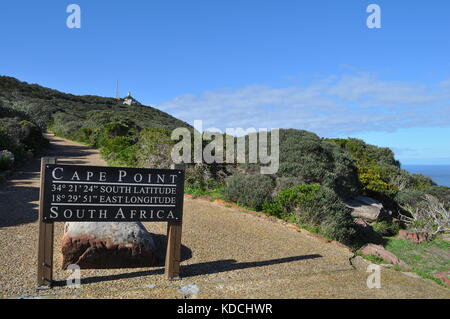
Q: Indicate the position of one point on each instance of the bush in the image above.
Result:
(21, 138)
(409, 197)
(421, 182)
(154, 147)
(6, 160)
(6, 142)
(307, 159)
(119, 150)
(285, 203)
(366, 153)
(373, 182)
(316, 207)
(385, 228)
(115, 129)
(430, 216)
(442, 193)
(200, 177)
(248, 190)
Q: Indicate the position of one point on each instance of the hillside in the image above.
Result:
(316, 176)
(226, 252)
(43, 106)
(105, 123)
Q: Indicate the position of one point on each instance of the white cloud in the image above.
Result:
(329, 107)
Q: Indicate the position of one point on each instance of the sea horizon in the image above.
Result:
(440, 174)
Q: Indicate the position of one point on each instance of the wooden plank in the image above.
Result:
(173, 252)
(173, 257)
(45, 242)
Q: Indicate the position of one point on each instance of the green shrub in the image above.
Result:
(409, 197)
(330, 214)
(305, 158)
(21, 138)
(421, 182)
(365, 153)
(248, 190)
(440, 192)
(6, 142)
(6, 160)
(200, 177)
(385, 228)
(371, 178)
(285, 203)
(154, 148)
(115, 129)
(119, 150)
(315, 206)
(378, 170)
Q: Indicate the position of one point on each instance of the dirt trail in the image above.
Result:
(226, 253)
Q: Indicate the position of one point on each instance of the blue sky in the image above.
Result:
(304, 64)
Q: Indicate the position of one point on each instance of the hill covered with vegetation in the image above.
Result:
(315, 177)
(102, 122)
(46, 106)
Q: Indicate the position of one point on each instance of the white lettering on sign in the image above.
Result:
(54, 173)
(82, 193)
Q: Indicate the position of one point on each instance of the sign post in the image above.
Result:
(173, 254)
(45, 242)
(72, 193)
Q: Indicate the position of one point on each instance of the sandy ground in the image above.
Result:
(227, 253)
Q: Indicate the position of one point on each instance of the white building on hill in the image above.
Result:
(129, 100)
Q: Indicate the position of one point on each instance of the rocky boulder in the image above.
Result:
(366, 208)
(379, 251)
(101, 245)
(443, 277)
(415, 237)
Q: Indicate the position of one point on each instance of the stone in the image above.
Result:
(411, 274)
(379, 251)
(102, 245)
(444, 277)
(415, 237)
(189, 291)
(359, 262)
(366, 208)
(150, 286)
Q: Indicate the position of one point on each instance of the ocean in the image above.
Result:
(439, 173)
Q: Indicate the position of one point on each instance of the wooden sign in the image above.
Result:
(87, 193)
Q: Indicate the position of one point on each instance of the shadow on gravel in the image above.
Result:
(16, 198)
(219, 266)
(16, 202)
(206, 268)
(161, 245)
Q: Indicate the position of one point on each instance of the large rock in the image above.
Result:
(415, 237)
(379, 251)
(367, 208)
(443, 277)
(99, 245)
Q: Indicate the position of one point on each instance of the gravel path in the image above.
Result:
(226, 253)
